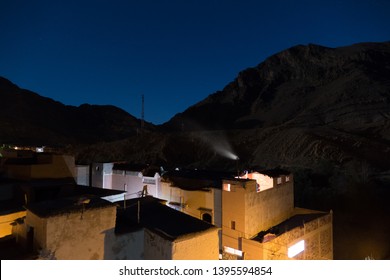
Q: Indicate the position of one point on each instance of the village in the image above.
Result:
(52, 208)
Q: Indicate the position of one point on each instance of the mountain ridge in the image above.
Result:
(29, 118)
(299, 70)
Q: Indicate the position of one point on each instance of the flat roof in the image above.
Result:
(157, 217)
(146, 169)
(64, 205)
(193, 179)
(276, 172)
(289, 224)
(45, 189)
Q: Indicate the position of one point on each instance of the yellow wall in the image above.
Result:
(233, 209)
(192, 199)
(317, 235)
(267, 208)
(7, 219)
(198, 246)
(253, 211)
(74, 236)
(59, 166)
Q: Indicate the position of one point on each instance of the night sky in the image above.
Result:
(174, 52)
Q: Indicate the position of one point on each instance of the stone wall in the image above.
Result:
(265, 209)
(76, 235)
(317, 235)
(198, 246)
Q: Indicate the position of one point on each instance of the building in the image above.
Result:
(134, 179)
(260, 221)
(71, 228)
(245, 207)
(307, 234)
(148, 229)
(86, 227)
(28, 165)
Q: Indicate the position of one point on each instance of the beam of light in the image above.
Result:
(219, 144)
(225, 153)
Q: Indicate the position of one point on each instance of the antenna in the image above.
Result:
(142, 112)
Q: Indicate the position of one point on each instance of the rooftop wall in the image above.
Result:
(76, 235)
(317, 236)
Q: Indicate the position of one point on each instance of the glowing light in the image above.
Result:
(232, 251)
(219, 144)
(296, 249)
(226, 153)
(226, 187)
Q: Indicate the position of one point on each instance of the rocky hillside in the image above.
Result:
(346, 88)
(28, 118)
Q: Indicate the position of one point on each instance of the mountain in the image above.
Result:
(304, 105)
(29, 119)
(301, 86)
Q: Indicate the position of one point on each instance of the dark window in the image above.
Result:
(206, 217)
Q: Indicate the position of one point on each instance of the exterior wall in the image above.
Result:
(76, 235)
(267, 208)
(6, 221)
(48, 166)
(194, 201)
(103, 176)
(6, 191)
(128, 246)
(252, 211)
(199, 246)
(265, 182)
(233, 210)
(217, 219)
(99, 172)
(22, 172)
(152, 183)
(132, 184)
(317, 235)
(82, 175)
(156, 247)
(39, 227)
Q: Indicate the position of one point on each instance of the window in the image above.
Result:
(296, 249)
(279, 180)
(206, 217)
(232, 251)
(233, 225)
(227, 187)
(287, 178)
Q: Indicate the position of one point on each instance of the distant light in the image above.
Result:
(296, 249)
(39, 149)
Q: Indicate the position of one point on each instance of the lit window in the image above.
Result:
(279, 180)
(296, 249)
(232, 251)
(287, 178)
(226, 187)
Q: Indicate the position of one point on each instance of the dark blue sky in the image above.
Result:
(174, 52)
